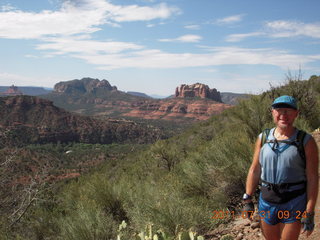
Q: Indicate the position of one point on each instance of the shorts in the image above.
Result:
(289, 212)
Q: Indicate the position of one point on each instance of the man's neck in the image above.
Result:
(284, 133)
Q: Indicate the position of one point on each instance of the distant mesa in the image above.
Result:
(23, 90)
(197, 90)
(12, 91)
(139, 94)
(85, 85)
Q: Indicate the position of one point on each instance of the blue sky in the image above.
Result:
(154, 46)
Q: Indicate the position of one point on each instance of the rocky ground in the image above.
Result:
(239, 229)
(244, 229)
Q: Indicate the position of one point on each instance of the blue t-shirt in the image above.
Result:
(284, 164)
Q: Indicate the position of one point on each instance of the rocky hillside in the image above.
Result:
(98, 98)
(26, 119)
(233, 98)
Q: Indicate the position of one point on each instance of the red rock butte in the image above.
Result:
(197, 90)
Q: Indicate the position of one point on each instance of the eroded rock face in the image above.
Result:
(176, 109)
(197, 90)
(85, 85)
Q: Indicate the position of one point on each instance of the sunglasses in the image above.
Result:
(284, 111)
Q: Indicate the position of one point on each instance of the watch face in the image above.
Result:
(246, 196)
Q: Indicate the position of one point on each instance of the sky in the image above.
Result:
(153, 46)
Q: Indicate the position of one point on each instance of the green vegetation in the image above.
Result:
(166, 127)
(172, 185)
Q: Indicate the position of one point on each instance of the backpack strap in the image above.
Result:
(299, 140)
(264, 136)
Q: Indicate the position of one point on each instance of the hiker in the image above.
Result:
(285, 162)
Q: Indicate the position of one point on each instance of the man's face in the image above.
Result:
(284, 117)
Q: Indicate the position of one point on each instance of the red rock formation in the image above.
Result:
(12, 91)
(177, 109)
(93, 97)
(197, 90)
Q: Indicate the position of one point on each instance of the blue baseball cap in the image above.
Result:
(285, 102)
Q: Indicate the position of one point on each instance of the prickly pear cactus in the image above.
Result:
(160, 235)
(189, 236)
(122, 226)
(184, 236)
(227, 237)
(141, 236)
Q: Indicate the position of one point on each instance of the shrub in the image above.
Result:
(86, 223)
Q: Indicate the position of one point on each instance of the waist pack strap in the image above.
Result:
(297, 185)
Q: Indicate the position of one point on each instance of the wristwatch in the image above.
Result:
(246, 197)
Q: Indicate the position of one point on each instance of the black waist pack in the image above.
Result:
(282, 193)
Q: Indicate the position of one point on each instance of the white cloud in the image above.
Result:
(7, 7)
(230, 19)
(192, 27)
(216, 56)
(28, 25)
(76, 17)
(7, 79)
(85, 46)
(185, 38)
(284, 29)
(240, 37)
(281, 29)
(137, 13)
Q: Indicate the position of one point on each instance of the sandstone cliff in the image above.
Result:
(177, 109)
(197, 90)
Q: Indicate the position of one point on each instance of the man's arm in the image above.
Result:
(312, 171)
(254, 171)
